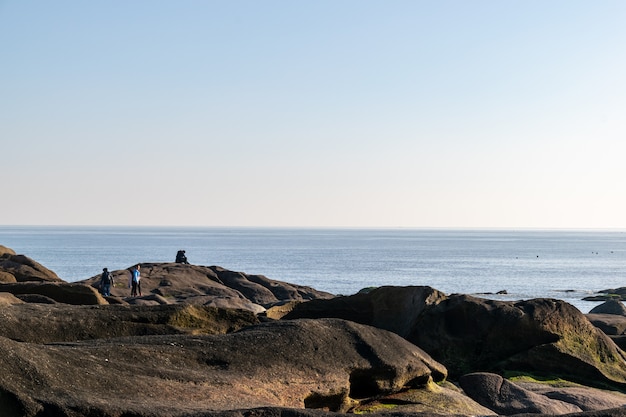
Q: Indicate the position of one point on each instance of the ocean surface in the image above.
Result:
(567, 265)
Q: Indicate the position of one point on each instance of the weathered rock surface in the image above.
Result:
(288, 412)
(278, 311)
(172, 353)
(396, 309)
(433, 398)
(5, 250)
(9, 299)
(615, 294)
(6, 277)
(610, 324)
(45, 323)
(610, 307)
(304, 363)
(162, 283)
(62, 292)
(210, 286)
(585, 398)
(610, 317)
(613, 325)
(506, 398)
(467, 334)
(23, 268)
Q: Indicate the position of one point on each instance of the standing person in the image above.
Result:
(135, 281)
(106, 280)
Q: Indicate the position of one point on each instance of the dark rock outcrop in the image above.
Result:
(6, 277)
(23, 268)
(172, 353)
(610, 324)
(615, 294)
(506, 398)
(468, 334)
(60, 323)
(610, 317)
(211, 286)
(585, 398)
(441, 398)
(615, 307)
(326, 364)
(36, 298)
(396, 309)
(290, 412)
(61, 292)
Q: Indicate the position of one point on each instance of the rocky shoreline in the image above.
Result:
(205, 341)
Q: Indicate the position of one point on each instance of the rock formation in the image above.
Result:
(610, 324)
(62, 292)
(615, 307)
(61, 323)
(4, 250)
(608, 294)
(305, 363)
(610, 317)
(467, 333)
(506, 398)
(23, 268)
(210, 286)
(585, 398)
(205, 341)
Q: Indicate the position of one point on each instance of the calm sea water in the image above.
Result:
(527, 264)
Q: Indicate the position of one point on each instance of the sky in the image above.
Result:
(325, 113)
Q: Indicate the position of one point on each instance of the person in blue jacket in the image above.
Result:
(135, 282)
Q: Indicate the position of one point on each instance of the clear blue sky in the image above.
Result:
(350, 113)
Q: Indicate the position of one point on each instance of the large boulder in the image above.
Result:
(7, 278)
(585, 398)
(23, 268)
(62, 292)
(610, 324)
(608, 294)
(211, 286)
(544, 336)
(60, 323)
(615, 307)
(469, 334)
(325, 364)
(506, 398)
(435, 399)
(391, 308)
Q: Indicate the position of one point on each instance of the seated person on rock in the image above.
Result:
(181, 258)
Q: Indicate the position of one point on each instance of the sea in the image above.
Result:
(562, 264)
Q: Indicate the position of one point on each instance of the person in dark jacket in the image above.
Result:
(181, 258)
(106, 280)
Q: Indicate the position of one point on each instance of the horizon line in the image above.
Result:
(189, 226)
